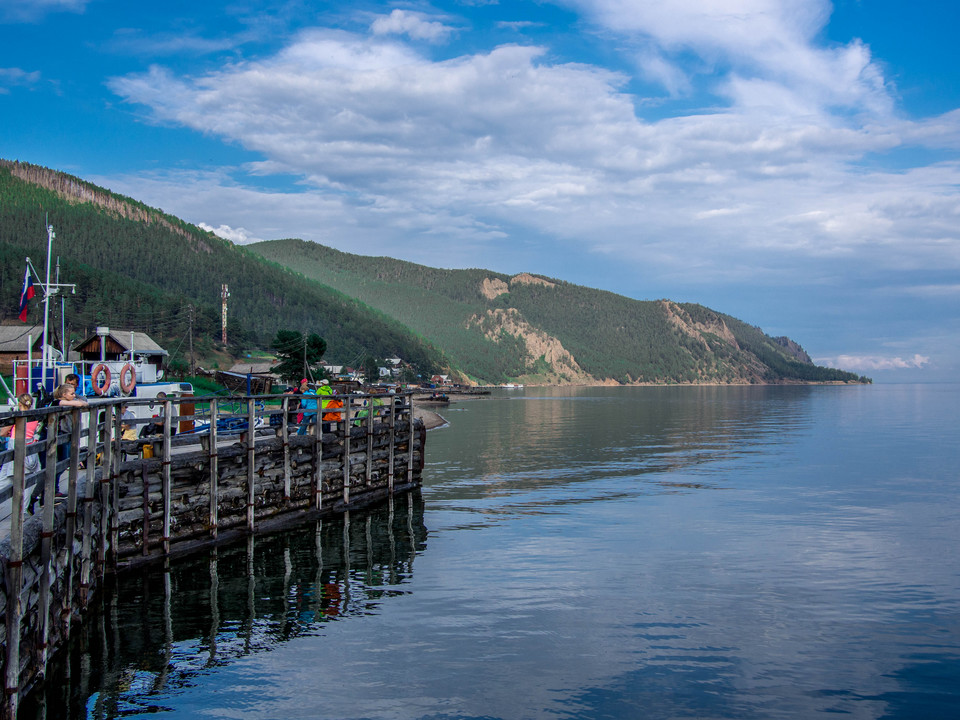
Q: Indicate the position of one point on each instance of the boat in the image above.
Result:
(111, 364)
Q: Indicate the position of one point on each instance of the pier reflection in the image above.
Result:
(157, 628)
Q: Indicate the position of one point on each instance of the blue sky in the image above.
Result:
(790, 162)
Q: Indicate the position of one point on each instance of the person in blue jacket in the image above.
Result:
(308, 406)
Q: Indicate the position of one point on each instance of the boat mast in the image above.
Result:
(48, 290)
(46, 309)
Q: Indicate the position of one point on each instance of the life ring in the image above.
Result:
(128, 378)
(104, 372)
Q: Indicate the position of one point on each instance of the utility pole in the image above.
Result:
(224, 294)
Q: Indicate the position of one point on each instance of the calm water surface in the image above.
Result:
(781, 552)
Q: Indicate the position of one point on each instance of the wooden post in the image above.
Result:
(214, 471)
(145, 540)
(88, 495)
(46, 539)
(165, 474)
(285, 434)
(318, 459)
(368, 472)
(393, 439)
(346, 450)
(105, 480)
(74, 478)
(251, 442)
(15, 571)
(410, 440)
(116, 456)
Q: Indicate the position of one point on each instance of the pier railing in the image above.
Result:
(196, 471)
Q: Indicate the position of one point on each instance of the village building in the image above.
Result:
(13, 344)
(124, 345)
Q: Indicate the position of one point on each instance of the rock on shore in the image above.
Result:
(430, 419)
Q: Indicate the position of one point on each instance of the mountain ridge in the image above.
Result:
(146, 269)
(547, 330)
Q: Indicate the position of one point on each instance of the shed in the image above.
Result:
(13, 344)
(117, 345)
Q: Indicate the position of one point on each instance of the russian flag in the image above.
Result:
(26, 294)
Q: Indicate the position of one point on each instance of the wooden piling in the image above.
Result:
(347, 417)
(285, 435)
(106, 463)
(14, 578)
(165, 464)
(214, 471)
(71, 519)
(46, 539)
(368, 470)
(393, 437)
(251, 466)
(88, 497)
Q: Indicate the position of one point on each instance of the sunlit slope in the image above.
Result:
(536, 329)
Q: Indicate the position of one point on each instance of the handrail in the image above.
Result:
(235, 423)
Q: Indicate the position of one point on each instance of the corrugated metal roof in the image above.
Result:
(142, 343)
(13, 338)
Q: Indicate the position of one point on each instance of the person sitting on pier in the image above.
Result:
(293, 404)
(66, 396)
(31, 463)
(155, 426)
(73, 379)
(309, 407)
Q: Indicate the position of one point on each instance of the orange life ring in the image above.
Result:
(104, 372)
(128, 378)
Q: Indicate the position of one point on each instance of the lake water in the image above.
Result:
(755, 552)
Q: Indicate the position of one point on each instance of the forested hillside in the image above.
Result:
(138, 268)
(535, 329)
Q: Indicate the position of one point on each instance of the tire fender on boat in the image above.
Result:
(100, 371)
(128, 378)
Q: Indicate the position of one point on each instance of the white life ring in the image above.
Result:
(103, 371)
(128, 378)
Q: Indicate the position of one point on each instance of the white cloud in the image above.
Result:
(238, 236)
(413, 24)
(15, 77)
(35, 10)
(862, 363)
(766, 44)
(390, 141)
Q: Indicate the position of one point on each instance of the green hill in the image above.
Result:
(496, 328)
(139, 268)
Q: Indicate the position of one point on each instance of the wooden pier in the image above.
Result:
(112, 503)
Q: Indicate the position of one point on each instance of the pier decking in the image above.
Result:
(247, 469)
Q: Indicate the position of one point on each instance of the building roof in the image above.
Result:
(13, 338)
(142, 343)
(255, 368)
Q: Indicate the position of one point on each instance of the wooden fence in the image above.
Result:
(110, 503)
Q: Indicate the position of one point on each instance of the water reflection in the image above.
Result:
(161, 628)
(563, 439)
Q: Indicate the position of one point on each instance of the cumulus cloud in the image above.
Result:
(504, 138)
(413, 24)
(238, 236)
(390, 144)
(862, 363)
(768, 45)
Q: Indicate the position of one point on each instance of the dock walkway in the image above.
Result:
(112, 503)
